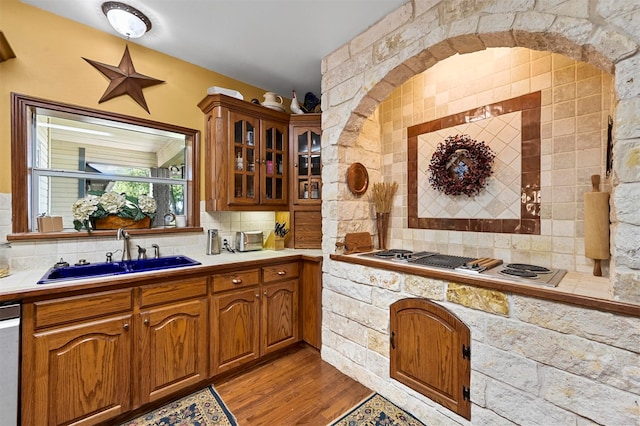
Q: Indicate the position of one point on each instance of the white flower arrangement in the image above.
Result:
(100, 204)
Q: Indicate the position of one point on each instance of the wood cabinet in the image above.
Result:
(236, 329)
(246, 155)
(279, 315)
(311, 302)
(254, 312)
(306, 180)
(76, 368)
(172, 344)
(90, 358)
(431, 353)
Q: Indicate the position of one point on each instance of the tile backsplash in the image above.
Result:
(44, 253)
(576, 100)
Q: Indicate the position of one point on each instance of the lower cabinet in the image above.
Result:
(89, 358)
(82, 373)
(173, 350)
(279, 316)
(260, 317)
(236, 329)
(77, 358)
(172, 339)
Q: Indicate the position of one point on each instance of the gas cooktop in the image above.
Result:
(518, 272)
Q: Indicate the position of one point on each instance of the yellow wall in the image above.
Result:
(48, 64)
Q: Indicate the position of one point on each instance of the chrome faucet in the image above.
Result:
(156, 251)
(142, 253)
(126, 252)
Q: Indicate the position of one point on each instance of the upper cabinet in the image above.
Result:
(306, 180)
(246, 155)
(307, 167)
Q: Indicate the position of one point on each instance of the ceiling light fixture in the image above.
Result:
(126, 20)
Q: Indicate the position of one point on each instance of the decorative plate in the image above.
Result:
(357, 179)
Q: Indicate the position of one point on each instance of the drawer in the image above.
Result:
(280, 272)
(69, 309)
(238, 279)
(173, 290)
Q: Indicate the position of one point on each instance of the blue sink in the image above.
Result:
(104, 269)
(160, 263)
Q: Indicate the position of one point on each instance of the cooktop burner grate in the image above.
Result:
(442, 261)
(518, 273)
(392, 253)
(529, 268)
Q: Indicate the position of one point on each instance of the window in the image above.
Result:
(62, 153)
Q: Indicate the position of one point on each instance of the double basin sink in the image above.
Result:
(102, 269)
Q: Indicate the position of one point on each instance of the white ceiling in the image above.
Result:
(277, 45)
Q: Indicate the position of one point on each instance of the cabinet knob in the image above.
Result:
(257, 295)
(265, 293)
(126, 326)
(146, 321)
(236, 281)
(281, 273)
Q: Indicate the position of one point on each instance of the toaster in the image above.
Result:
(249, 240)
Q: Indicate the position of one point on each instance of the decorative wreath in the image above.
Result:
(460, 165)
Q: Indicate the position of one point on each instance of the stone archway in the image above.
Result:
(361, 74)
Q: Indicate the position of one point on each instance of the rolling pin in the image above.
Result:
(596, 225)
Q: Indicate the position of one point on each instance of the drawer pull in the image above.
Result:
(281, 273)
(265, 293)
(126, 326)
(237, 281)
(257, 295)
(146, 321)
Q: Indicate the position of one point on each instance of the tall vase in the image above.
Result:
(382, 223)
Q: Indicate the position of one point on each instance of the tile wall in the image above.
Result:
(576, 102)
(43, 253)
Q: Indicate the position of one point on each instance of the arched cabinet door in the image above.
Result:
(430, 352)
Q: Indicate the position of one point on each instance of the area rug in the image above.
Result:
(202, 408)
(377, 411)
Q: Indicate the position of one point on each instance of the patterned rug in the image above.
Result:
(203, 408)
(377, 411)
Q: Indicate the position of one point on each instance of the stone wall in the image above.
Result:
(363, 73)
(533, 362)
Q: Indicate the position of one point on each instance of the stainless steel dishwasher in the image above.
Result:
(9, 362)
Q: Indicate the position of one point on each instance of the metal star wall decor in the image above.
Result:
(124, 80)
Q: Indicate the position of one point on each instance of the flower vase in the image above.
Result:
(382, 223)
(115, 222)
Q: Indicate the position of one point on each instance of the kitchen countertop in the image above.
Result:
(23, 284)
(575, 288)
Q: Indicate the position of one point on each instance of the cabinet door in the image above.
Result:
(279, 315)
(274, 168)
(173, 351)
(83, 372)
(307, 166)
(244, 156)
(311, 302)
(236, 327)
(430, 352)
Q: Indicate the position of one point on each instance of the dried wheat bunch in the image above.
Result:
(382, 196)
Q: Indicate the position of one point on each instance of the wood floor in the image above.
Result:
(296, 389)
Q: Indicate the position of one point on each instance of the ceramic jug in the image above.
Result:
(272, 98)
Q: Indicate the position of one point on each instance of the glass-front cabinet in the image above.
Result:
(246, 165)
(306, 180)
(274, 188)
(308, 165)
(247, 155)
